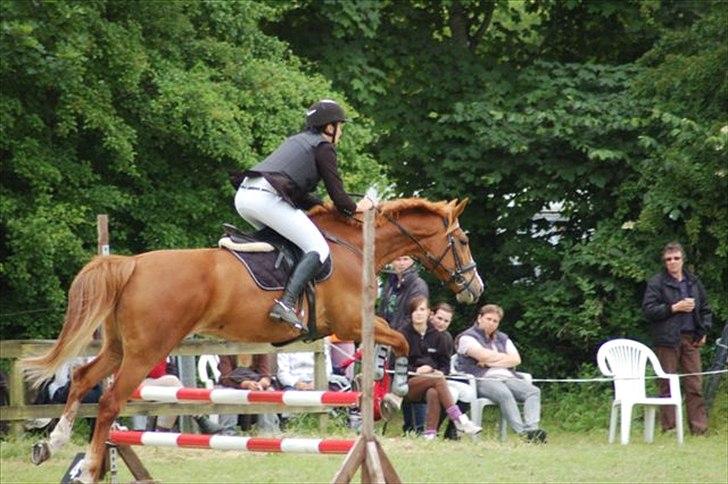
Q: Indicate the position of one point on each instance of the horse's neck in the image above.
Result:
(389, 242)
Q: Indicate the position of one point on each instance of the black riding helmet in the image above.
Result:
(324, 112)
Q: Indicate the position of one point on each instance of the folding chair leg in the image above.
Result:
(649, 423)
(476, 413)
(679, 423)
(613, 423)
(503, 427)
(626, 423)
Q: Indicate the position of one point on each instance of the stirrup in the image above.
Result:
(281, 312)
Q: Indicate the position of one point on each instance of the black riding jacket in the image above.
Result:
(295, 168)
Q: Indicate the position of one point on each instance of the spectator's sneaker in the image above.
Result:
(37, 423)
(463, 424)
(537, 436)
(207, 426)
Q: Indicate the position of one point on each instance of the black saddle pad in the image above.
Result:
(271, 270)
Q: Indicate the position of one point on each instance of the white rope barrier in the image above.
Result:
(463, 376)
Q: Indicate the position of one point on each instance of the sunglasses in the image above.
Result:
(668, 259)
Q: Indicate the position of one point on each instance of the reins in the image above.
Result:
(457, 275)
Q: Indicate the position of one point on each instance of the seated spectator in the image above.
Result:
(429, 358)
(248, 372)
(461, 391)
(441, 316)
(163, 375)
(56, 391)
(398, 290)
(490, 355)
(296, 371)
(341, 354)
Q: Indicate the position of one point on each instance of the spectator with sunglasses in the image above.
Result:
(676, 306)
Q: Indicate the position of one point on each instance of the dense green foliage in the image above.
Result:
(136, 110)
(586, 134)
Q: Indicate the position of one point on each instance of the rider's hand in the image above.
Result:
(364, 204)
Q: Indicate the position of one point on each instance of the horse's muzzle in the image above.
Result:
(472, 290)
(465, 297)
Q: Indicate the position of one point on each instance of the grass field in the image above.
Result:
(568, 457)
(577, 451)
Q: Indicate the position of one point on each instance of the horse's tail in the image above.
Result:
(92, 298)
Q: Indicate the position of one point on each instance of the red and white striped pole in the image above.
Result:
(246, 397)
(224, 442)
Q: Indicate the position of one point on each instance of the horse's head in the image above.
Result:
(441, 245)
(452, 260)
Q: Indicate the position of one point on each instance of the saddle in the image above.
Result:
(270, 258)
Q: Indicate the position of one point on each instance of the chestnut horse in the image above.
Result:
(149, 302)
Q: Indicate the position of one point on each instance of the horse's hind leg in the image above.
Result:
(83, 380)
(132, 372)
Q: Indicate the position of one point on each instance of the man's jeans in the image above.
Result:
(507, 393)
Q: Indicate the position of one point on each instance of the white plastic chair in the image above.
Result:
(478, 404)
(626, 361)
(209, 374)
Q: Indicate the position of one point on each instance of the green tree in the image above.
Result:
(135, 109)
(574, 106)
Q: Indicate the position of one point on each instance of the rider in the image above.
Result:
(276, 191)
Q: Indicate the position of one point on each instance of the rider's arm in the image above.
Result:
(327, 167)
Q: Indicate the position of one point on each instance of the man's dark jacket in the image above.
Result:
(397, 294)
(662, 292)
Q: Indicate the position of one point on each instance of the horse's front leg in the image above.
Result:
(385, 335)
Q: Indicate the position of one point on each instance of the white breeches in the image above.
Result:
(266, 208)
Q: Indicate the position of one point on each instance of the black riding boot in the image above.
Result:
(284, 309)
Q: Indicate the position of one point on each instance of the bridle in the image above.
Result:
(458, 274)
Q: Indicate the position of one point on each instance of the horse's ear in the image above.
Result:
(459, 207)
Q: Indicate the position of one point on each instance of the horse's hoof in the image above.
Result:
(41, 453)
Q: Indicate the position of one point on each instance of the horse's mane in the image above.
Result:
(391, 208)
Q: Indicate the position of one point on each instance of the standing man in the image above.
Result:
(676, 306)
(399, 289)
